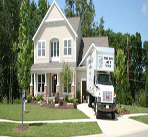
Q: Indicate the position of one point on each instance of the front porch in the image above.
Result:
(48, 84)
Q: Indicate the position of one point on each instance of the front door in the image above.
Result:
(54, 83)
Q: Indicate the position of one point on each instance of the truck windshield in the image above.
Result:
(103, 79)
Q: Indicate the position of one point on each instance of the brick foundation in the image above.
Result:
(73, 91)
(45, 92)
(31, 91)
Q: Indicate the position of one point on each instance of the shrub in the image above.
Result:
(79, 96)
(66, 97)
(57, 98)
(17, 101)
(39, 97)
(61, 103)
(142, 98)
(29, 98)
(75, 105)
(49, 101)
(34, 98)
(73, 100)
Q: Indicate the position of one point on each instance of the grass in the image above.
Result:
(143, 119)
(53, 130)
(36, 113)
(136, 109)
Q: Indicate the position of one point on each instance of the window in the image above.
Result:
(54, 49)
(41, 49)
(41, 82)
(67, 48)
(69, 89)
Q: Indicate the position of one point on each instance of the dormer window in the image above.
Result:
(41, 49)
(54, 46)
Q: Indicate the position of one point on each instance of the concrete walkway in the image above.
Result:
(49, 121)
(121, 125)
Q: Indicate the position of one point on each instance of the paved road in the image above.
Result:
(121, 125)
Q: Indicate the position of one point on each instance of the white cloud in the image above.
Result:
(145, 9)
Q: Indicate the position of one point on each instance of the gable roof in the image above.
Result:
(86, 42)
(48, 12)
(74, 21)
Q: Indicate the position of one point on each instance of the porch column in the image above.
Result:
(73, 87)
(58, 83)
(31, 87)
(34, 86)
(45, 87)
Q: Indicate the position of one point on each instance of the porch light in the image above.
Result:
(99, 93)
(55, 77)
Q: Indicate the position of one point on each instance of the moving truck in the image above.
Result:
(100, 63)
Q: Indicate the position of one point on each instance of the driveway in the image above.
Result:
(120, 126)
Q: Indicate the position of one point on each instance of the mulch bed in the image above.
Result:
(124, 112)
(44, 104)
(21, 128)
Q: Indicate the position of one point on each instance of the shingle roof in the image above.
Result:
(51, 65)
(86, 43)
(74, 21)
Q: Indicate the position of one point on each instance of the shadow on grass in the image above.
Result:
(37, 124)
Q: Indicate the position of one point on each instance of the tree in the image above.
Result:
(120, 71)
(66, 77)
(100, 29)
(23, 48)
(86, 11)
(69, 8)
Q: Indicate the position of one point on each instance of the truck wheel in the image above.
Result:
(113, 115)
(98, 113)
(90, 101)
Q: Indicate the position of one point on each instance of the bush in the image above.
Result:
(17, 101)
(142, 98)
(75, 105)
(73, 100)
(79, 96)
(39, 97)
(66, 97)
(57, 98)
(34, 98)
(49, 101)
(29, 98)
(61, 103)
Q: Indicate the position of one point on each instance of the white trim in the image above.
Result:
(81, 68)
(41, 57)
(54, 3)
(55, 20)
(75, 85)
(75, 50)
(82, 79)
(34, 85)
(45, 79)
(87, 53)
(41, 92)
(34, 52)
(31, 84)
(67, 56)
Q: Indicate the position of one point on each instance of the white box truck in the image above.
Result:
(100, 63)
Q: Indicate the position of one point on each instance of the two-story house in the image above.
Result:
(58, 39)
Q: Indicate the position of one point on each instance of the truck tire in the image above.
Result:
(90, 101)
(98, 114)
(113, 115)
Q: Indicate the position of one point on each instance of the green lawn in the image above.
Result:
(36, 113)
(143, 119)
(136, 109)
(51, 130)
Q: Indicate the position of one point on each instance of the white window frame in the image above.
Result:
(54, 58)
(67, 47)
(42, 92)
(65, 93)
(41, 57)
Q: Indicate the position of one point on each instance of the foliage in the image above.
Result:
(79, 96)
(25, 53)
(75, 105)
(69, 8)
(142, 98)
(17, 101)
(29, 98)
(120, 71)
(73, 100)
(61, 102)
(57, 98)
(39, 97)
(34, 98)
(49, 101)
(67, 76)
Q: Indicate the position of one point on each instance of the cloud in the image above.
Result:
(145, 9)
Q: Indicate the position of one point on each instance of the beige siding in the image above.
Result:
(54, 14)
(55, 30)
(80, 74)
(78, 40)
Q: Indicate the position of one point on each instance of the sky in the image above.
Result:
(125, 16)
